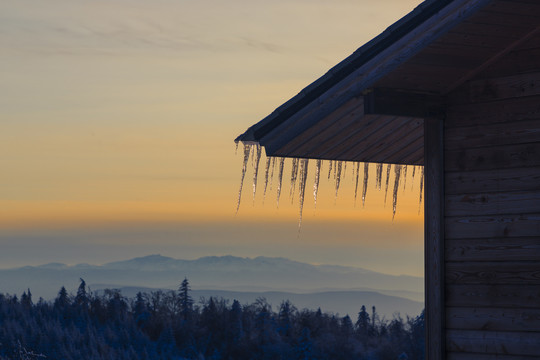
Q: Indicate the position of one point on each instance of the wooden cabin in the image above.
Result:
(453, 86)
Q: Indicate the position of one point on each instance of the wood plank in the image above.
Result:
(506, 249)
(470, 37)
(504, 111)
(493, 157)
(351, 112)
(414, 158)
(519, 61)
(497, 180)
(520, 296)
(493, 319)
(496, 226)
(406, 151)
(509, 272)
(398, 102)
(505, 19)
(399, 142)
(494, 30)
(501, 203)
(328, 139)
(506, 87)
(515, 8)
(476, 356)
(420, 77)
(434, 238)
(494, 342)
(517, 132)
(354, 147)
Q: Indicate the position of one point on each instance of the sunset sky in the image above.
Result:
(118, 119)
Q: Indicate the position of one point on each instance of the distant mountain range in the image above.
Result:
(333, 288)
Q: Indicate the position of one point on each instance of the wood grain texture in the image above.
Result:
(500, 203)
(495, 226)
(494, 342)
(502, 249)
(516, 132)
(493, 319)
(483, 295)
(434, 238)
(507, 87)
(519, 61)
(493, 157)
(491, 181)
(504, 111)
(525, 273)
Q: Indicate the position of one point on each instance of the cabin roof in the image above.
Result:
(370, 107)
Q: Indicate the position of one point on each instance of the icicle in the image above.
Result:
(335, 169)
(252, 155)
(338, 167)
(421, 189)
(364, 189)
(397, 173)
(258, 152)
(316, 182)
(344, 169)
(302, 188)
(266, 173)
(404, 176)
(294, 176)
(280, 178)
(236, 149)
(356, 186)
(388, 167)
(272, 173)
(247, 151)
(378, 176)
(330, 169)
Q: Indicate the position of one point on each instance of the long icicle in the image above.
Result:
(272, 172)
(338, 168)
(317, 180)
(356, 186)
(421, 190)
(280, 178)
(330, 168)
(247, 151)
(404, 176)
(344, 170)
(378, 176)
(388, 167)
(364, 189)
(397, 173)
(266, 173)
(294, 176)
(302, 188)
(256, 169)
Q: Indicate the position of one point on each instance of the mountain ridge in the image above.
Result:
(221, 273)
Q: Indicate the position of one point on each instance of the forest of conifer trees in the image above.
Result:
(171, 325)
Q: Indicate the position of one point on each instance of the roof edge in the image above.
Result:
(365, 53)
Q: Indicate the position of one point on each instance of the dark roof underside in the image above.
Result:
(370, 106)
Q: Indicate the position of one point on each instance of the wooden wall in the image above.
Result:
(492, 212)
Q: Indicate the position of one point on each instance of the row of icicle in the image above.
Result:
(300, 171)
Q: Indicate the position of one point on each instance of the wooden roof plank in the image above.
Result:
(343, 117)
